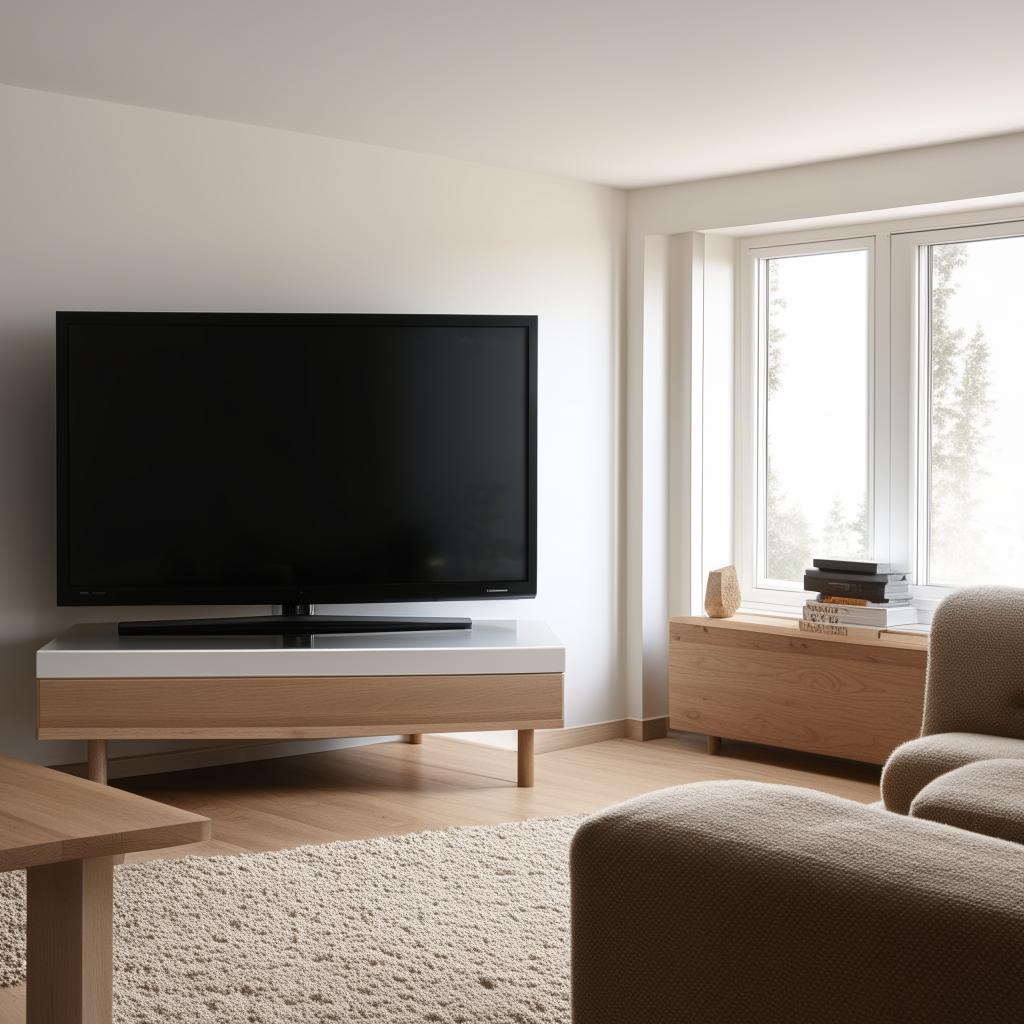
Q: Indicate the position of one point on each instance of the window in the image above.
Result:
(892, 432)
(973, 362)
(814, 341)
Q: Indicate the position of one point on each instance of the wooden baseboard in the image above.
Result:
(581, 735)
(647, 728)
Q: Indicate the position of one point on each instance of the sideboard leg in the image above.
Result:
(714, 744)
(415, 737)
(525, 758)
(98, 761)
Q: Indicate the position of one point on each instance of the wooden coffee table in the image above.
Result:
(66, 832)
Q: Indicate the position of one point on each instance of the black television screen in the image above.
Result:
(276, 458)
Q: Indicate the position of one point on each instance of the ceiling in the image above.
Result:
(627, 93)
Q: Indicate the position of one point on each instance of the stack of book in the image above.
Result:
(855, 596)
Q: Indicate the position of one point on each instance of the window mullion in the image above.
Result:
(881, 400)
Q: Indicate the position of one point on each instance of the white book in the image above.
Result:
(859, 615)
(837, 629)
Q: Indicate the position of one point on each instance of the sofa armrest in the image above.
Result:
(744, 902)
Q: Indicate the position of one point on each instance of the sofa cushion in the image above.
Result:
(985, 797)
(743, 902)
(914, 764)
(975, 679)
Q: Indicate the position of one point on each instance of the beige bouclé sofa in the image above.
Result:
(746, 903)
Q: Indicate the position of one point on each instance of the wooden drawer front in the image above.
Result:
(849, 700)
(307, 706)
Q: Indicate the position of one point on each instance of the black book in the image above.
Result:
(873, 592)
(859, 568)
(857, 577)
(877, 591)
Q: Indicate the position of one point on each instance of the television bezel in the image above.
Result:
(341, 593)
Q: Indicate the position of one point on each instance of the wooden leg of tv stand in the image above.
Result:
(525, 758)
(714, 744)
(98, 761)
(415, 737)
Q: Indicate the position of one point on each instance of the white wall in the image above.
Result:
(105, 206)
(867, 187)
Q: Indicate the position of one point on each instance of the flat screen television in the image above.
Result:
(294, 459)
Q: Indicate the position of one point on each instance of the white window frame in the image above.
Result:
(898, 444)
(757, 588)
(910, 326)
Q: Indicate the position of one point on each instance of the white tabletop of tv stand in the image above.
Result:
(96, 651)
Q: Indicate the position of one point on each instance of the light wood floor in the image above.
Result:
(391, 788)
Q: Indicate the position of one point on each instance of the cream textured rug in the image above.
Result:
(469, 925)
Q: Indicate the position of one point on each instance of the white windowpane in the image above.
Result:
(816, 342)
(976, 412)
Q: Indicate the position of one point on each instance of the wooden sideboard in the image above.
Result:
(763, 680)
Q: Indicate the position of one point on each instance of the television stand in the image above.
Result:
(95, 684)
(295, 620)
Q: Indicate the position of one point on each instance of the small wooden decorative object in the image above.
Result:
(722, 597)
